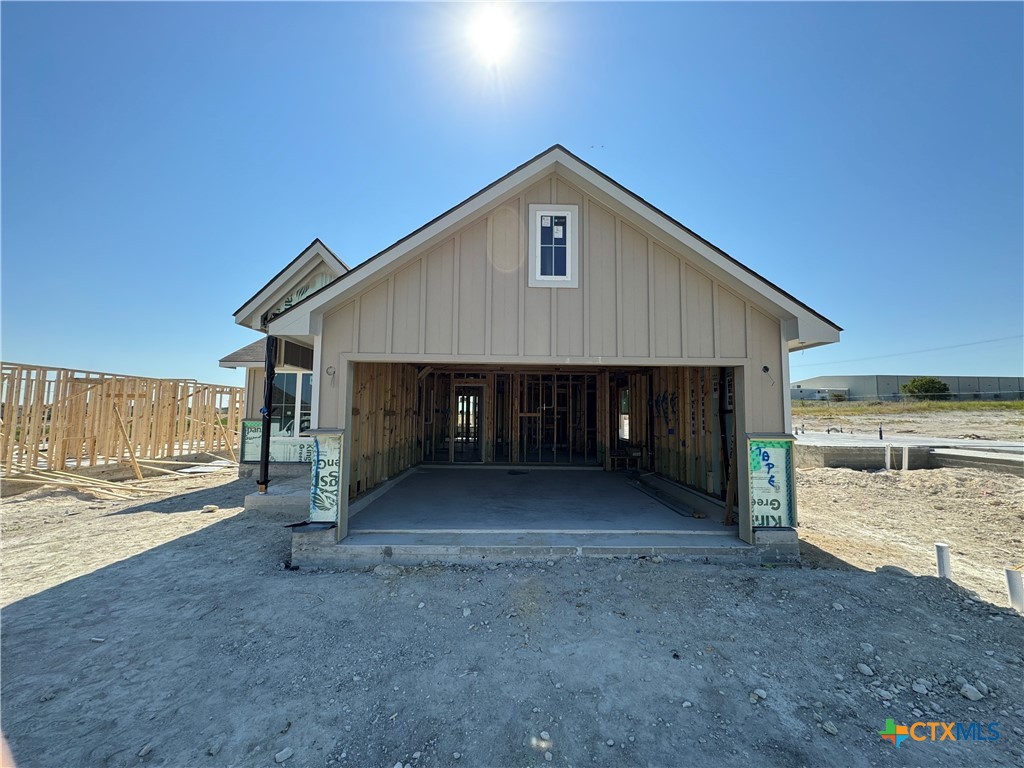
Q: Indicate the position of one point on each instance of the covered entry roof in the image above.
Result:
(804, 327)
(313, 268)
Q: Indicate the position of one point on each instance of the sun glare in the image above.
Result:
(492, 33)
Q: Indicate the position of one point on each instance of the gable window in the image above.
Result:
(554, 246)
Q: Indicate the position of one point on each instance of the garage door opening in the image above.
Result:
(676, 422)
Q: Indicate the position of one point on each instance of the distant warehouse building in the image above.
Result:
(888, 387)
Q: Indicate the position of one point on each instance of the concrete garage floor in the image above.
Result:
(503, 499)
(503, 513)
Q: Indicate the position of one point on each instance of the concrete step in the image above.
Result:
(291, 497)
(363, 549)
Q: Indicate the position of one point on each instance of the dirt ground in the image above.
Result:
(867, 520)
(980, 424)
(153, 633)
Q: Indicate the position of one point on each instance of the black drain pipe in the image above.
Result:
(268, 399)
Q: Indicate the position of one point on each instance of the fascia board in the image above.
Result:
(278, 287)
(292, 324)
(662, 222)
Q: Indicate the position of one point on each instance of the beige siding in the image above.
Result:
(373, 319)
(668, 339)
(506, 280)
(341, 325)
(732, 324)
(438, 309)
(466, 298)
(766, 388)
(254, 381)
(406, 323)
(635, 313)
(472, 282)
(700, 319)
(601, 253)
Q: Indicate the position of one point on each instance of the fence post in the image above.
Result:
(942, 558)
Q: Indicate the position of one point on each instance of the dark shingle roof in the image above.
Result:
(250, 353)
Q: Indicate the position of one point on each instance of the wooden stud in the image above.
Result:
(128, 443)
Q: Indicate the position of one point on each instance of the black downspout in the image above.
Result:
(268, 394)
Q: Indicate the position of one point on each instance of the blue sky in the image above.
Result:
(160, 162)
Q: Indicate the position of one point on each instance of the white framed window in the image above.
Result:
(554, 246)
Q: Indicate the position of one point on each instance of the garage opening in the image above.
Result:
(677, 422)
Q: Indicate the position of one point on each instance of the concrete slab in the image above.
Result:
(870, 440)
(864, 452)
(364, 550)
(451, 499)
(290, 496)
(1010, 463)
(454, 514)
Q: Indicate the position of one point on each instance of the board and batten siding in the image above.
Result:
(640, 301)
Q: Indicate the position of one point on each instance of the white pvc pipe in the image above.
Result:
(888, 456)
(906, 457)
(942, 558)
(1015, 588)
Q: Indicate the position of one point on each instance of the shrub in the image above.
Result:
(926, 388)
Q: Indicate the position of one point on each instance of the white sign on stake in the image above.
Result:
(325, 486)
(770, 463)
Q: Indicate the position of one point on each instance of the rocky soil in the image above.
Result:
(153, 633)
(867, 520)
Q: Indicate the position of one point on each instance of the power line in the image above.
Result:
(914, 352)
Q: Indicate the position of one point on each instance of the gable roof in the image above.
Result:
(308, 259)
(554, 157)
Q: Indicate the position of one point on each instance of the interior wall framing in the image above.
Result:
(681, 421)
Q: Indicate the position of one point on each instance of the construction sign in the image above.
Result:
(772, 497)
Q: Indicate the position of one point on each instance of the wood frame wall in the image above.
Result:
(386, 438)
(691, 409)
(403, 414)
(60, 418)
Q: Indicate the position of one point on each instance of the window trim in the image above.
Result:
(572, 261)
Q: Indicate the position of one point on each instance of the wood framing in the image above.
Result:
(58, 418)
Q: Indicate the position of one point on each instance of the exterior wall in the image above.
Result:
(254, 380)
(888, 387)
(467, 299)
(766, 410)
(640, 302)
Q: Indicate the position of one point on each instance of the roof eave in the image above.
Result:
(306, 253)
(317, 302)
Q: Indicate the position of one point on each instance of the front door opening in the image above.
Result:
(514, 417)
(467, 443)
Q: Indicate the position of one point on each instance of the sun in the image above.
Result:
(492, 32)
